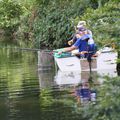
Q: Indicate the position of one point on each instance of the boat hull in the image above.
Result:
(105, 61)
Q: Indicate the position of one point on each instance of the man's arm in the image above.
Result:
(68, 49)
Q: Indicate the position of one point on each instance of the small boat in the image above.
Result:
(105, 62)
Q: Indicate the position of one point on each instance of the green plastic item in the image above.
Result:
(63, 55)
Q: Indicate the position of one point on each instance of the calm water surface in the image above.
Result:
(26, 93)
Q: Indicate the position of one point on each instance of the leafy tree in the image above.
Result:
(53, 24)
(104, 22)
(10, 12)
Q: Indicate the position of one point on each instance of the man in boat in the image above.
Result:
(84, 43)
(81, 24)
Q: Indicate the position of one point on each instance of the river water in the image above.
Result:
(27, 93)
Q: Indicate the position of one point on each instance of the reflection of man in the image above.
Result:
(84, 94)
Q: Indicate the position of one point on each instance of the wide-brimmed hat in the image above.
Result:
(81, 24)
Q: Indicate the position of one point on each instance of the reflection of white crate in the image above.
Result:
(67, 77)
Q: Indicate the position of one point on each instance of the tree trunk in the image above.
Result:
(118, 64)
(99, 3)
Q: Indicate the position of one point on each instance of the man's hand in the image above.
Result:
(60, 52)
(83, 52)
(70, 42)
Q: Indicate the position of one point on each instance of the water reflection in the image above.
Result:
(84, 93)
(46, 78)
(82, 85)
(27, 93)
(19, 86)
(74, 78)
(67, 78)
(69, 94)
(70, 88)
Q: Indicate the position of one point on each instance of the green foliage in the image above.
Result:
(10, 13)
(55, 21)
(104, 22)
(49, 24)
(53, 24)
